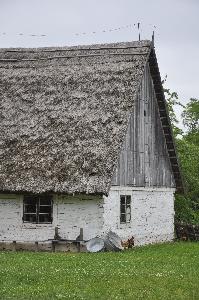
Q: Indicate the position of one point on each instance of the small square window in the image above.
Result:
(125, 209)
(37, 209)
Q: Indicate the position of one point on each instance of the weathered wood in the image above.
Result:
(53, 246)
(163, 106)
(14, 245)
(144, 159)
(36, 246)
(56, 236)
(81, 236)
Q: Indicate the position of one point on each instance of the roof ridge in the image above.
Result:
(68, 57)
(92, 47)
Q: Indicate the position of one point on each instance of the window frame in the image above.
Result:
(37, 203)
(125, 205)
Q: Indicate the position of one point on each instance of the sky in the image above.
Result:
(41, 23)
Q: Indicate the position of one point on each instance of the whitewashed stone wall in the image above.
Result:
(74, 213)
(152, 216)
(69, 215)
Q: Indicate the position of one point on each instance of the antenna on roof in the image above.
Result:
(139, 30)
(153, 38)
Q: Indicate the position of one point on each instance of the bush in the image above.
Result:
(186, 210)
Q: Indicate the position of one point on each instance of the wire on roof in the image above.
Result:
(87, 33)
(80, 33)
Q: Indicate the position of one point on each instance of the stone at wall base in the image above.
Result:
(41, 246)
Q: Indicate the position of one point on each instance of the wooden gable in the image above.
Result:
(144, 159)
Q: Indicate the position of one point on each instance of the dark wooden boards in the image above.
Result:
(144, 158)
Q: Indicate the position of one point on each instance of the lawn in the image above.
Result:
(167, 271)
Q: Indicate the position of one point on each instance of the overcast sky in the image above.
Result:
(72, 22)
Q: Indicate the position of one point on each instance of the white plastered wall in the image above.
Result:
(152, 214)
(75, 213)
(12, 227)
(69, 215)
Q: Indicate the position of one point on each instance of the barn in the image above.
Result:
(86, 145)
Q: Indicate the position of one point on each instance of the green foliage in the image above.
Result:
(187, 206)
(172, 101)
(189, 157)
(191, 115)
(167, 271)
(186, 210)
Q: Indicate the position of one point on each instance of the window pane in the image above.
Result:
(29, 218)
(123, 208)
(30, 208)
(45, 200)
(123, 218)
(45, 209)
(122, 200)
(30, 204)
(128, 200)
(30, 199)
(44, 218)
(128, 218)
(128, 210)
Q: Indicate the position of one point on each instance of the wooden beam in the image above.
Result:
(68, 57)
(73, 49)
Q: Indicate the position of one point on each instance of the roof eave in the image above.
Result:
(165, 121)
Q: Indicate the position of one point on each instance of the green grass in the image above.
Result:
(167, 271)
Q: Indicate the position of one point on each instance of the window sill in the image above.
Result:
(36, 226)
(125, 225)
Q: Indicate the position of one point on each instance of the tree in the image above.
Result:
(191, 115)
(173, 101)
(191, 121)
(186, 206)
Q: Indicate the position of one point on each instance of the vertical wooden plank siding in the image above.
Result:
(144, 158)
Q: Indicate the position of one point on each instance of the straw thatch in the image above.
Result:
(64, 114)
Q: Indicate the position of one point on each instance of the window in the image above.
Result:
(125, 209)
(37, 209)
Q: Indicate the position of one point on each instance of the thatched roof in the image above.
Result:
(64, 113)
